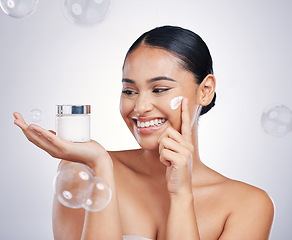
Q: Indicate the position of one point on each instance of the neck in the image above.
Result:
(196, 157)
(151, 162)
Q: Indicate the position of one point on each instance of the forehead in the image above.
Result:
(149, 61)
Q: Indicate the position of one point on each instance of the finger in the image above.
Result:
(19, 121)
(171, 133)
(167, 143)
(176, 136)
(164, 157)
(168, 158)
(181, 152)
(29, 131)
(186, 130)
(17, 115)
(38, 140)
(168, 133)
(174, 146)
(34, 137)
(44, 139)
(47, 134)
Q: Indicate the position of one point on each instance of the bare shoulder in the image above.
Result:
(121, 154)
(247, 211)
(251, 211)
(244, 194)
(238, 193)
(124, 157)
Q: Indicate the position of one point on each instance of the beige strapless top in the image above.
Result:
(130, 237)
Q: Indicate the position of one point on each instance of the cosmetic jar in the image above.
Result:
(73, 122)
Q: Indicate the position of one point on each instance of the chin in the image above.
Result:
(149, 145)
(147, 142)
(149, 148)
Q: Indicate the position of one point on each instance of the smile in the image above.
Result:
(151, 123)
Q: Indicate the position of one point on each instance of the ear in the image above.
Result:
(206, 90)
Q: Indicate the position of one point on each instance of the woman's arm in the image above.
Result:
(253, 210)
(105, 224)
(182, 223)
(78, 223)
(67, 222)
(176, 151)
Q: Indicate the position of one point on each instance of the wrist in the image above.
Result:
(182, 197)
(102, 165)
(182, 223)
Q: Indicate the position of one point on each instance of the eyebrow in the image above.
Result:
(159, 78)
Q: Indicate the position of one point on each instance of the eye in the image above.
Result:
(160, 90)
(128, 92)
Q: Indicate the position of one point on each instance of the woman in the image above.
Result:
(162, 191)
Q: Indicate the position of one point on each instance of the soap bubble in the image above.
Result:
(36, 115)
(19, 8)
(71, 184)
(76, 186)
(99, 195)
(85, 12)
(277, 120)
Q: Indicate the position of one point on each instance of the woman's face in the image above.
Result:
(152, 78)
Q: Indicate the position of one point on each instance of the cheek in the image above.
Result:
(124, 108)
(175, 119)
(175, 102)
(172, 108)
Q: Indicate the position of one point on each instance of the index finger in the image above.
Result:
(19, 121)
(186, 130)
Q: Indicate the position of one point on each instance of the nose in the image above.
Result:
(143, 104)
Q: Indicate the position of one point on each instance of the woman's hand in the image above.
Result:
(88, 153)
(176, 150)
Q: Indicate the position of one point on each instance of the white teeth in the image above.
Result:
(151, 123)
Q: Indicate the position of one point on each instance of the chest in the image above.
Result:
(143, 207)
(211, 214)
(144, 211)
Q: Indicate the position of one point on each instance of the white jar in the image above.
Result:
(73, 122)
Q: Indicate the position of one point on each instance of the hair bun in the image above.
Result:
(205, 109)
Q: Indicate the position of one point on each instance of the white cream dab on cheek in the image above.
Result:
(175, 102)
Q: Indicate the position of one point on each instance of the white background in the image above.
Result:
(45, 60)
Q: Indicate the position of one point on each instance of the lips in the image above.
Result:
(151, 123)
(148, 126)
